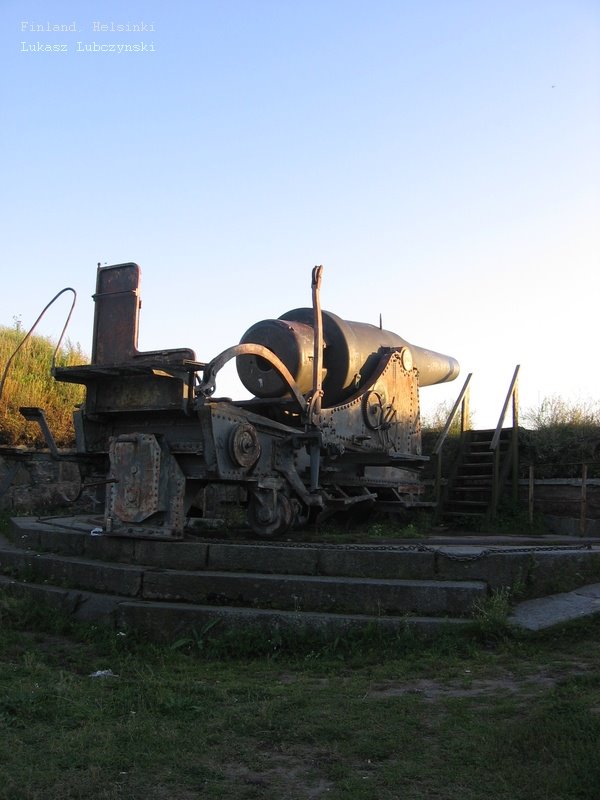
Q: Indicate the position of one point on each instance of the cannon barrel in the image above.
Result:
(351, 355)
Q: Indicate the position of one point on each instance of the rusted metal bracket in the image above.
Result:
(35, 414)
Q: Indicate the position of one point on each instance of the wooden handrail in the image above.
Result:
(510, 395)
(450, 420)
(461, 402)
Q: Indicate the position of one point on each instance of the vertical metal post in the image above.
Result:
(318, 343)
(317, 393)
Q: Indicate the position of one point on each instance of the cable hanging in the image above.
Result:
(33, 327)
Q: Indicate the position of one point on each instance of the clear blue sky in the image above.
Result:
(440, 158)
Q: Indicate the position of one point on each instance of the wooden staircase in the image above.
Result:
(469, 493)
(486, 459)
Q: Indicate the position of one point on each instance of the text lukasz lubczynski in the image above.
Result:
(88, 47)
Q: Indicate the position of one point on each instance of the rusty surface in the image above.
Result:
(116, 316)
(333, 423)
(135, 464)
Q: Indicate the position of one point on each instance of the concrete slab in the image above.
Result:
(545, 612)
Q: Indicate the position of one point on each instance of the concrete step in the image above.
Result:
(458, 504)
(488, 559)
(372, 561)
(57, 570)
(169, 622)
(476, 471)
(249, 589)
(373, 596)
(479, 490)
(331, 587)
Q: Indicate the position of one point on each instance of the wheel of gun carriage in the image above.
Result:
(269, 513)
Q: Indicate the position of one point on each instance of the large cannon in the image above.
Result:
(352, 352)
(333, 422)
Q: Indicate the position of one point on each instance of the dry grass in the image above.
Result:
(29, 382)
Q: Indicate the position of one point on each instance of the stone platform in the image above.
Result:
(167, 590)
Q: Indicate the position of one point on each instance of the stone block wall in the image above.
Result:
(31, 481)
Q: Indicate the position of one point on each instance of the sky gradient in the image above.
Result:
(440, 159)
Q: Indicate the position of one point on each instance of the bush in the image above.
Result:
(554, 411)
(563, 435)
(435, 420)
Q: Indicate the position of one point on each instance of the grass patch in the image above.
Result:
(490, 615)
(375, 528)
(4, 522)
(511, 519)
(516, 718)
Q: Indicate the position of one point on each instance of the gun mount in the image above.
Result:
(334, 421)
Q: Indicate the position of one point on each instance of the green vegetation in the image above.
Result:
(491, 614)
(561, 436)
(554, 411)
(509, 719)
(557, 436)
(372, 529)
(29, 383)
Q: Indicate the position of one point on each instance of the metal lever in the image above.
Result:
(317, 393)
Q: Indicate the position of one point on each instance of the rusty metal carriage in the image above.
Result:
(333, 423)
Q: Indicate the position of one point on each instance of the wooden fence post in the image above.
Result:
(583, 513)
(530, 494)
